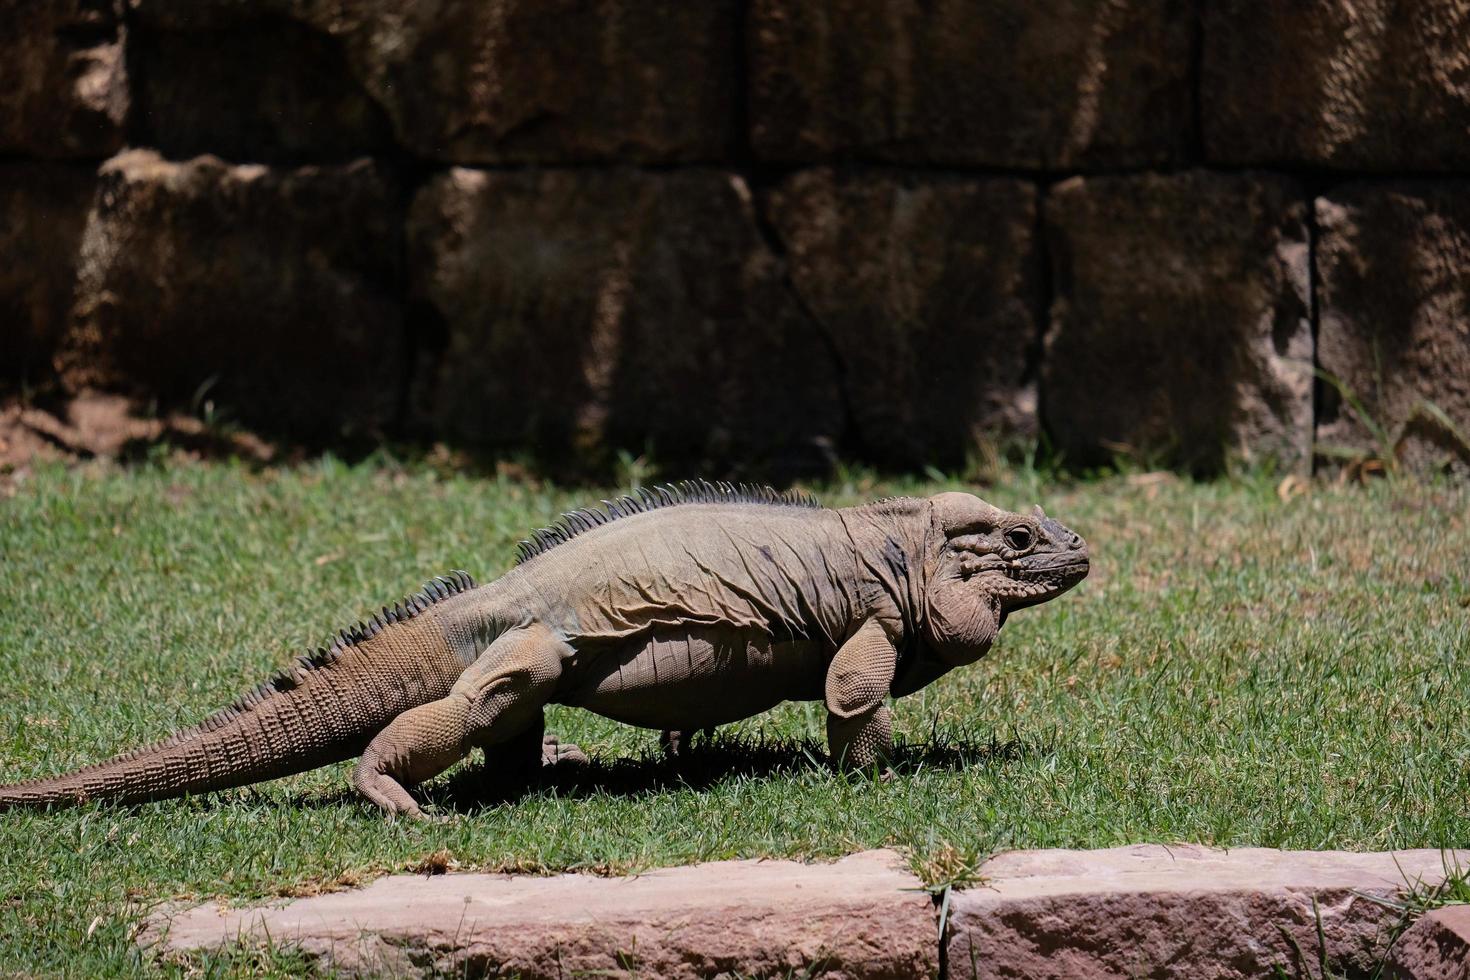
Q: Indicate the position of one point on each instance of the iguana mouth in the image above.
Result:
(1027, 585)
(1025, 572)
(1036, 568)
(1031, 581)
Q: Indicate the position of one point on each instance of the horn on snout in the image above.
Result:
(964, 513)
(1038, 513)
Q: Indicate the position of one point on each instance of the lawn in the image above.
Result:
(1239, 669)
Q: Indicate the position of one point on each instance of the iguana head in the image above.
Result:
(986, 562)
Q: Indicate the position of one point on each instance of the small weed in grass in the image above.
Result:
(944, 865)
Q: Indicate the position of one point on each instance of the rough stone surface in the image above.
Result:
(63, 83)
(1393, 264)
(272, 293)
(43, 210)
(1367, 84)
(1050, 84)
(929, 291)
(1180, 326)
(1180, 911)
(592, 310)
(463, 81)
(859, 917)
(1437, 947)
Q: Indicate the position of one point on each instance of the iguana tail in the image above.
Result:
(322, 709)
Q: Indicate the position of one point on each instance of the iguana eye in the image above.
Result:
(1019, 537)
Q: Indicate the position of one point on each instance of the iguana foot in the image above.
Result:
(675, 743)
(554, 750)
(387, 792)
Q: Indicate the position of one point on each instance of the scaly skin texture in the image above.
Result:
(688, 608)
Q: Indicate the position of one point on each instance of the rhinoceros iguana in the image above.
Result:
(680, 608)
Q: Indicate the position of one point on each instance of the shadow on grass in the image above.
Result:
(705, 764)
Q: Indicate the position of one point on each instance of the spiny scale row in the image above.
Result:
(434, 590)
(576, 522)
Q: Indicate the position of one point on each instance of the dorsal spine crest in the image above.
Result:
(576, 522)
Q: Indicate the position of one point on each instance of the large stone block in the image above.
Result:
(1354, 84)
(43, 210)
(63, 82)
(1180, 327)
(273, 293)
(861, 917)
(1050, 84)
(464, 81)
(593, 310)
(1393, 264)
(928, 289)
(1183, 911)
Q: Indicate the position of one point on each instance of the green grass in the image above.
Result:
(1237, 670)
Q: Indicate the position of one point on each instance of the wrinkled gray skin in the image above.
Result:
(676, 617)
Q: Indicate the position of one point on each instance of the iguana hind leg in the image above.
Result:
(498, 698)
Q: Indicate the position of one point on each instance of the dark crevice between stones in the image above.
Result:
(134, 129)
(1320, 390)
(424, 333)
(1194, 152)
(743, 150)
(727, 164)
(1326, 402)
(942, 929)
(1056, 276)
(858, 162)
(1045, 294)
(849, 444)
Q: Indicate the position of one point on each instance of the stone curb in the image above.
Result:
(858, 917)
(1184, 911)
(1180, 911)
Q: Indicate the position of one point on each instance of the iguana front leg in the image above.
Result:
(499, 697)
(859, 730)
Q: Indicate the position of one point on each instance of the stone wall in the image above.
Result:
(752, 235)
